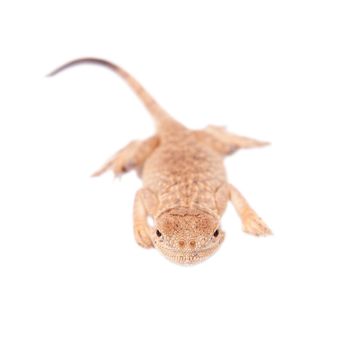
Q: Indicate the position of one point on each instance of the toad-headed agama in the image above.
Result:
(185, 189)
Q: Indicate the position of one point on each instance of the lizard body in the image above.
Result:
(185, 188)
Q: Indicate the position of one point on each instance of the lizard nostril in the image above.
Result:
(192, 244)
(181, 243)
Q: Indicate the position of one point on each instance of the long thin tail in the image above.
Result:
(163, 120)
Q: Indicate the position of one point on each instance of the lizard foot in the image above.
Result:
(254, 225)
(142, 237)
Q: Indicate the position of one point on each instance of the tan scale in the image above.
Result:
(185, 188)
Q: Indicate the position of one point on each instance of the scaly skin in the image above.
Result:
(185, 189)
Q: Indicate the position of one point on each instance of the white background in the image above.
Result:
(71, 274)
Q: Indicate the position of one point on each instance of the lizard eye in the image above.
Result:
(216, 233)
(158, 233)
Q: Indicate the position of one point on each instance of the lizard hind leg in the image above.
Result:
(227, 142)
(130, 157)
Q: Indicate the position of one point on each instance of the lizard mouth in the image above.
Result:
(188, 258)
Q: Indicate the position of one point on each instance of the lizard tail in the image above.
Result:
(163, 120)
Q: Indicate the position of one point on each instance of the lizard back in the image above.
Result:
(184, 173)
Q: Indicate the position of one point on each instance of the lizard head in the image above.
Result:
(187, 236)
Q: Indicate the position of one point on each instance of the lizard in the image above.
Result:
(185, 188)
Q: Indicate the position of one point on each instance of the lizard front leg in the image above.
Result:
(252, 223)
(132, 156)
(145, 205)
